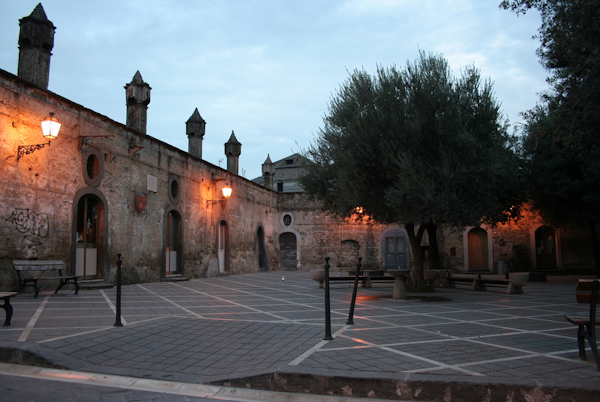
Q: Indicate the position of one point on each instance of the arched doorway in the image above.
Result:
(394, 247)
(89, 244)
(263, 261)
(173, 251)
(288, 254)
(223, 247)
(478, 249)
(545, 248)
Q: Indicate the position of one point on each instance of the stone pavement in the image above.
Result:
(240, 330)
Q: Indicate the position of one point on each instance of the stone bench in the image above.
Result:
(514, 284)
(6, 306)
(46, 266)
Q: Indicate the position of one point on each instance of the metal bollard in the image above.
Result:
(118, 320)
(328, 336)
(350, 320)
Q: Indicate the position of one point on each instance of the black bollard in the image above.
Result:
(351, 314)
(118, 321)
(328, 336)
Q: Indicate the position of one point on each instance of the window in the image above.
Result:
(280, 187)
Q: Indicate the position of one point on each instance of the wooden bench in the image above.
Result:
(478, 282)
(6, 306)
(587, 293)
(36, 265)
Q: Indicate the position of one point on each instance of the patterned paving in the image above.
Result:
(251, 324)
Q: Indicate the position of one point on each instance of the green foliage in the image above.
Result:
(562, 144)
(415, 145)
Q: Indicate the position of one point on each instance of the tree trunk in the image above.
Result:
(434, 252)
(595, 245)
(418, 253)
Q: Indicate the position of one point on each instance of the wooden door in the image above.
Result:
(478, 250)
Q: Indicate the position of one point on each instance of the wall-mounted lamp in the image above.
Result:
(50, 129)
(226, 194)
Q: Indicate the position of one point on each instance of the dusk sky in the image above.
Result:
(266, 69)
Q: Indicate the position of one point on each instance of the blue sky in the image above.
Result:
(266, 68)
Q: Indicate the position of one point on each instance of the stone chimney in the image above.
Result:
(268, 171)
(233, 149)
(36, 40)
(137, 94)
(195, 129)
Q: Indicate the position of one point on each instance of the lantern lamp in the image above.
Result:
(227, 191)
(50, 129)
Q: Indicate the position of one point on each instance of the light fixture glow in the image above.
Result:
(50, 127)
(227, 191)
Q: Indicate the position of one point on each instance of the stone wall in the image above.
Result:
(93, 156)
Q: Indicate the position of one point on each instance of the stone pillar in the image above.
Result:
(137, 94)
(195, 129)
(268, 171)
(36, 40)
(233, 149)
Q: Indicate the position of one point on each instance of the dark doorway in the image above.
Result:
(545, 248)
(395, 251)
(173, 244)
(223, 247)
(263, 261)
(288, 253)
(88, 249)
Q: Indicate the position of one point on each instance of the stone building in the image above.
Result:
(102, 188)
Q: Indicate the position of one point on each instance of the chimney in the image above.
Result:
(268, 171)
(195, 128)
(36, 40)
(233, 149)
(137, 94)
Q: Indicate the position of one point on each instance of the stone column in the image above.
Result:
(233, 149)
(195, 130)
(137, 93)
(36, 40)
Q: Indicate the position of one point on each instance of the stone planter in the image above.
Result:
(517, 281)
(318, 275)
(399, 285)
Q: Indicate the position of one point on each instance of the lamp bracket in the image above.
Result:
(29, 149)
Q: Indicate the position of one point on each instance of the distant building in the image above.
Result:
(284, 175)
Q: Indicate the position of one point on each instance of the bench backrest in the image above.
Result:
(37, 265)
(585, 289)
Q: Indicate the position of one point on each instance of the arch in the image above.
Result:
(260, 249)
(223, 249)
(298, 245)
(478, 249)
(172, 260)
(395, 248)
(485, 252)
(535, 233)
(89, 257)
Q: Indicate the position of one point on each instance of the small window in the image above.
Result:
(287, 219)
(174, 189)
(92, 167)
(280, 187)
(289, 161)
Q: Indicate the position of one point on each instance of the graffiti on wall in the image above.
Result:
(34, 225)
